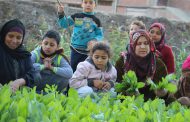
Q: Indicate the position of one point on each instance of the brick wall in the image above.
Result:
(182, 4)
(133, 2)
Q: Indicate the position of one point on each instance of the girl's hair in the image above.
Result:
(53, 34)
(101, 46)
(139, 23)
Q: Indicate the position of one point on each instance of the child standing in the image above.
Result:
(157, 33)
(87, 29)
(95, 73)
(48, 59)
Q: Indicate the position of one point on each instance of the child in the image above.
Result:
(141, 59)
(134, 26)
(95, 73)
(87, 29)
(49, 60)
(157, 33)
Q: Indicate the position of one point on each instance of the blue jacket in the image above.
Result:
(60, 74)
(87, 27)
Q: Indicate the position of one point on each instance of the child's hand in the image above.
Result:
(91, 44)
(98, 84)
(60, 8)
(47, 63)
(106, 86)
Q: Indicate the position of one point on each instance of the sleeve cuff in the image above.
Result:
(42, 67)
(61, 15)
(54, 69)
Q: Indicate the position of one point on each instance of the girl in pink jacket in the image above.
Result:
(96, 73)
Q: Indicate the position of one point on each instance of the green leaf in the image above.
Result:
(140, 85)
(153, 86)
(170, 77)
(172, 88)
(21, 119)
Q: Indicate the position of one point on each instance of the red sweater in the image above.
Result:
(186, 63)
(168, 58)
(164, 49)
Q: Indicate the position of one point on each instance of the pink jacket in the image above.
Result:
(86, 70)
(186, 63)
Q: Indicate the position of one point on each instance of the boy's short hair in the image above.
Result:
(53, 34)
(92, 0)
(139, 23)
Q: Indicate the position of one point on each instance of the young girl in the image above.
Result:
(157, 33)
(95, 73)
(141, 59)
(48, 59)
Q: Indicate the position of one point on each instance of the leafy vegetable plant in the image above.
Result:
(129, 85)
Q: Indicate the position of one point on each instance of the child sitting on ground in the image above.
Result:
(96, 73)
(49, 60)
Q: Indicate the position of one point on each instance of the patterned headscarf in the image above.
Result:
(144, 67)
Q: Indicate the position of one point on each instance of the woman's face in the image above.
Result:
(13, 40)
(155, 34)
(100, 58)
(142, 47)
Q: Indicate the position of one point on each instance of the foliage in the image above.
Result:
(164, 84)
(27, 105)
(129, 85)
(180, 55)
(118, 41)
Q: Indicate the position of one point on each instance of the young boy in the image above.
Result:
(87, 30)
(49, 60)
(135, 26)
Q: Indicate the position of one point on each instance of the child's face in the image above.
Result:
(155, 34)
(142, 47)
(100, 58)
(88, 5)
(133, 28)
(49, 46)
(13, 40)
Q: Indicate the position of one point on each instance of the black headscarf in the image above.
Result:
(13, 61)
(20, 51)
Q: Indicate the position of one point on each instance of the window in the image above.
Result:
(162, 2)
